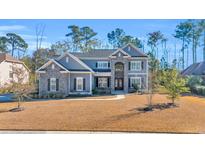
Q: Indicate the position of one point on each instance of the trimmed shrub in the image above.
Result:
(194, 81)
(199, 90)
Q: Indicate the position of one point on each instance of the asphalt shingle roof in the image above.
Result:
(195, 69)
(102, 53)
(105, 53)
(134, 52)
(9, 58)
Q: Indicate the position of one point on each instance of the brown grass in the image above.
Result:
(118, 115)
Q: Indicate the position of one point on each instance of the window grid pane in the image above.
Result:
(135, 80)
(136, 65)
(102, 82)
(103, 64)
(53, 84)
(79, 84)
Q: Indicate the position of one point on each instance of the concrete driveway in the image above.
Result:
(5, 98)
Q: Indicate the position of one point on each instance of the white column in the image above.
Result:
(91, 83)
(147, 74)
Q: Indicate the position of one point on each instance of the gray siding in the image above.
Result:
(72, 64)
(87, 81)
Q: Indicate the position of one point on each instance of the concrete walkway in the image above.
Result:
(118, 97)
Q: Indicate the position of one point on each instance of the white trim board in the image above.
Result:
(80, 72)
(102, 74)
(50, 62)
(120, 50)
(137, 73)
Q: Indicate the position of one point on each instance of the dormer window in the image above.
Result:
(53, 66)
(102, 64)
(67, 59)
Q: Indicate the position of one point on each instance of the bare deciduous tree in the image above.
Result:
(40, 28)
(18, 85)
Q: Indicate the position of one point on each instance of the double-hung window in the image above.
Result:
(79, 84)
(11, 75)
(102, 82)
(135, 66)
(102, 64)
(135, 80)
(53, 84)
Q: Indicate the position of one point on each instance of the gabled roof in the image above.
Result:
(133, 51)
(105, 53)
(195, 69)
(8, 58)
(76, 59)
(120, 50)
(42, 68)
(102, 53)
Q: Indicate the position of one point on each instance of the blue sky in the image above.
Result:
(56, 29)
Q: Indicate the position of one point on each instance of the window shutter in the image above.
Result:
(96, 82)
(129, 82)
(129, 65)
(142, 82)
(108, 82)
(83, 83)
(48, 84)
(142, 65)
(96, 65)
(108, 64)
(57, 84)
(75, 84)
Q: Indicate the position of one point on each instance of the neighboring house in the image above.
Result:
(197, 69)
(102, 69)
(7, 64)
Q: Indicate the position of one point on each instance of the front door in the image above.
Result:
(119, 84)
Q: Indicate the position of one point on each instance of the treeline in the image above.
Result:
(190, 34)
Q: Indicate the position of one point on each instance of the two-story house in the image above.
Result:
(105, 69)
(7, 74)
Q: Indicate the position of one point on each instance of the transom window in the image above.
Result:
(53, 84)
(79, 84)
(102, 82)
(102, 64)
(135, 65)
(135, 80)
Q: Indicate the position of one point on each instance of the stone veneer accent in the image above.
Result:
(125, 63)
(53, 73)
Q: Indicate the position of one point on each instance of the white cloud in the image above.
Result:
(30, 37)
(32, 45)
(12, 27)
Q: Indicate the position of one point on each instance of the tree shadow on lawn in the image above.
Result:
(192, 95)
(143, 110)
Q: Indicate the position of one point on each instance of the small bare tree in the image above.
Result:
(18, 85)
(153, 78)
